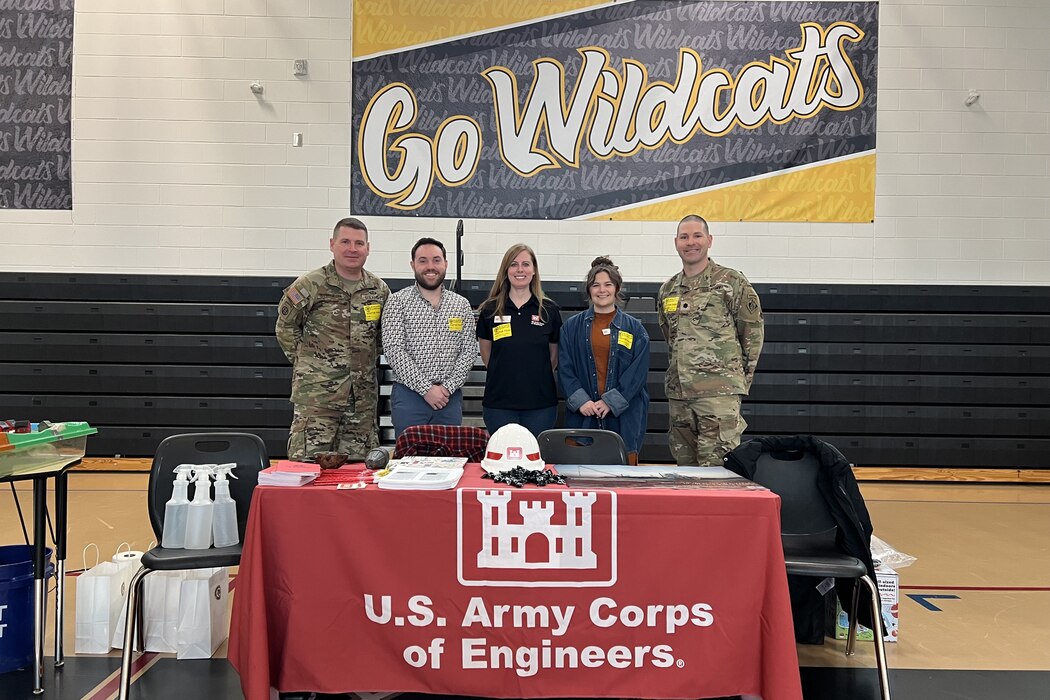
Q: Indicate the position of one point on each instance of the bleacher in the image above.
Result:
(895, 375)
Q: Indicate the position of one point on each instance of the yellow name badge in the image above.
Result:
(501, 331)
(373, 312)
(670, 305)
(455, 324)
(625, 339)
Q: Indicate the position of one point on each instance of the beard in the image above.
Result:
(422, 282)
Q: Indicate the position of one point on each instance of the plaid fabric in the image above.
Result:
(442, 441)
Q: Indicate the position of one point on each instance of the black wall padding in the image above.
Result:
(895, 375)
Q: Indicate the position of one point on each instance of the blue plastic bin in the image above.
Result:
(16, 604)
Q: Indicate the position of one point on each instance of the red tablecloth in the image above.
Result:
(506, 592)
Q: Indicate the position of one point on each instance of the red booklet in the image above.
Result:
(346, 474)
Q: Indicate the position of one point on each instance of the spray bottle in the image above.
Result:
(174, 535)
(224, 522)
(200, 509)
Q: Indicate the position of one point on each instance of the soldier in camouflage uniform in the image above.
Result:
(712, 320)
(328, 326)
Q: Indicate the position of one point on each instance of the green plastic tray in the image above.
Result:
(43, 451)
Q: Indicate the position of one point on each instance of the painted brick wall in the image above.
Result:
(179, 168)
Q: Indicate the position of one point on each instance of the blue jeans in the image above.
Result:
(536, 420)
(409, 408)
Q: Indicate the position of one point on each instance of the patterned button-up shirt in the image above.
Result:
(426, 345)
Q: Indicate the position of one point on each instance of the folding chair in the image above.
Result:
(582, 446)
(249, 453)
(810, 534)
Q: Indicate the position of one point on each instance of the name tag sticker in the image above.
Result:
(625, 339)
(373, 312)
(455, 324)
(501, 319)
(606, 331)
(670, 305)
(501, 331)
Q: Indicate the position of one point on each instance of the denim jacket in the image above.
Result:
(626, 392)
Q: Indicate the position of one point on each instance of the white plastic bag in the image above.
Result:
(203, 600)
(101, 592)
(882, 552)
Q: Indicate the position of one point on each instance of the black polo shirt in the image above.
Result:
(520, 377)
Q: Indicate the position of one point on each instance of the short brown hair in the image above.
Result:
(695, 217)
(350, 222)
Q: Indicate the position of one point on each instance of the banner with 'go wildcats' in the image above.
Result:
(645, 110)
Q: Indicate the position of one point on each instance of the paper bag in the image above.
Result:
(101, 592)
(161, 591)
(129, 563)
(203, 601)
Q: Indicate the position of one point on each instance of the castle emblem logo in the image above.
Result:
(536, 538)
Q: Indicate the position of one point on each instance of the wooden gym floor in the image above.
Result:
(974, 607)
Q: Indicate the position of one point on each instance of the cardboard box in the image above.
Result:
(889, 592)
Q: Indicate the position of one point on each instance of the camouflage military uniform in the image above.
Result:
(714, 330)
(329, 329)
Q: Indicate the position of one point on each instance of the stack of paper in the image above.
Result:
(289, 473)
(430, 462)
(642, 477)
(421, 478)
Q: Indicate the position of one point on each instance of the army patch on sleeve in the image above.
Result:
(752, 304)
(294, 296)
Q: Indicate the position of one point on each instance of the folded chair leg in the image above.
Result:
(877, 632)
(851, 638)
(130, 621)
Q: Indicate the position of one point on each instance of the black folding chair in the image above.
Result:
(582, 446)
(244, 449)
(810, 536)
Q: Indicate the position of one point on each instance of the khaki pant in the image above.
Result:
(704, 430)
(326, 430)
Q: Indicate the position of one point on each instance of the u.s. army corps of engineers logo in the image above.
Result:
(536, 538)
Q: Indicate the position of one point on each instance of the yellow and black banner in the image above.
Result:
(645, 110)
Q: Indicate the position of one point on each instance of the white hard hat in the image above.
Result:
(512, 446)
